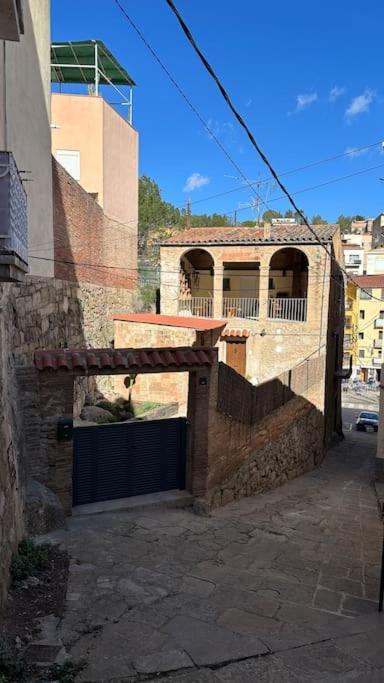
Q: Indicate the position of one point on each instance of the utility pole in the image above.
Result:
(189, 212)
(235, 218)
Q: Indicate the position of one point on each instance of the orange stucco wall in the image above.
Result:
(77, 122)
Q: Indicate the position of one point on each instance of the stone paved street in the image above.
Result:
(279, 587)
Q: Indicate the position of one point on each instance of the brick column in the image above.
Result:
(263, 289)
(218, 292)
(56, 400)
(197, 445)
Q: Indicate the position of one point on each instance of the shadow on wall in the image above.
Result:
(272, 433)
(25, 131)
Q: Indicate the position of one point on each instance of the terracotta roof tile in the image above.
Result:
(189, 322)
(368, 280)
(236, 332)
(278, 233)
(131, 360)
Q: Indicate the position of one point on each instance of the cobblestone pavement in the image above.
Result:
(280, 587)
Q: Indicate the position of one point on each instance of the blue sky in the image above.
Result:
(307, 77)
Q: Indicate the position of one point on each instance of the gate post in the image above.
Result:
(197, 442)
(56, 401)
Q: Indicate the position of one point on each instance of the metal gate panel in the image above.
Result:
(128, 459)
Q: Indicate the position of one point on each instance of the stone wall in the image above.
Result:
(12, 479)
(254, 450)
(41, 313)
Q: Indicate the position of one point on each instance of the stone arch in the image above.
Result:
(196, 282)
(288, 284)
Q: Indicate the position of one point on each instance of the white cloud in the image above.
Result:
(360, 104)
(353, 152)
(194, 181)
(303, 101)
(335, 92)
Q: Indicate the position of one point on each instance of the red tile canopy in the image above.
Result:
(120, 360)
(231, 332)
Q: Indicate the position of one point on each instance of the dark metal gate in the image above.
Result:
(128, 459)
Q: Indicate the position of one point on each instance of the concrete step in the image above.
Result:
(160, 500)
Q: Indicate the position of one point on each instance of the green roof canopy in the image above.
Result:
(75, 63)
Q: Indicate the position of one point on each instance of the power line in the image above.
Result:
(294, 170)
(187, 100)
(248, 132)
(229, 213)
(319, 185)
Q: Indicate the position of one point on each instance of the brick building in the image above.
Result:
(277, 292)
(278, 283)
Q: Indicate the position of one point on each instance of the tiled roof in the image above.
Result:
(200, 324)
(130, 360)
(279, 233)
(368, 280)
(231, 332)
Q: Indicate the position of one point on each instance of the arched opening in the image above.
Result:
(288, 285)
(196, 283)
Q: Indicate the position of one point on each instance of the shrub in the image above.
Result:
(67, 672)
(108, 405)
(29, 560)
(11, 667)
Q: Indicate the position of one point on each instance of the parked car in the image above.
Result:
(367, 419)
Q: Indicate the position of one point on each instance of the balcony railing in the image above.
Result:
(196, 306)
(287, 309)
(13, 221)
(240, 307)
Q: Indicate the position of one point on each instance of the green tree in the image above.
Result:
(344, 222)
(318, 220)
(289, 214)
(153, 211)
(359, 217)
(248, 224)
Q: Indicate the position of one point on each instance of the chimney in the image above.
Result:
(267, 231)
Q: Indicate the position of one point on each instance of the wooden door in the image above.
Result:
(236, 355)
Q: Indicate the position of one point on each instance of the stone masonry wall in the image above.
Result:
(40, 313)
(245, 459)
(12, 480)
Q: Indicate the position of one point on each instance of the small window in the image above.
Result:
(362, 315)
(382, 295)
(226, 284)
(380, 334)
(271, 283)
(70, 159)
(361, 335)
(361, 353)
(381, 316)
(366, 293)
